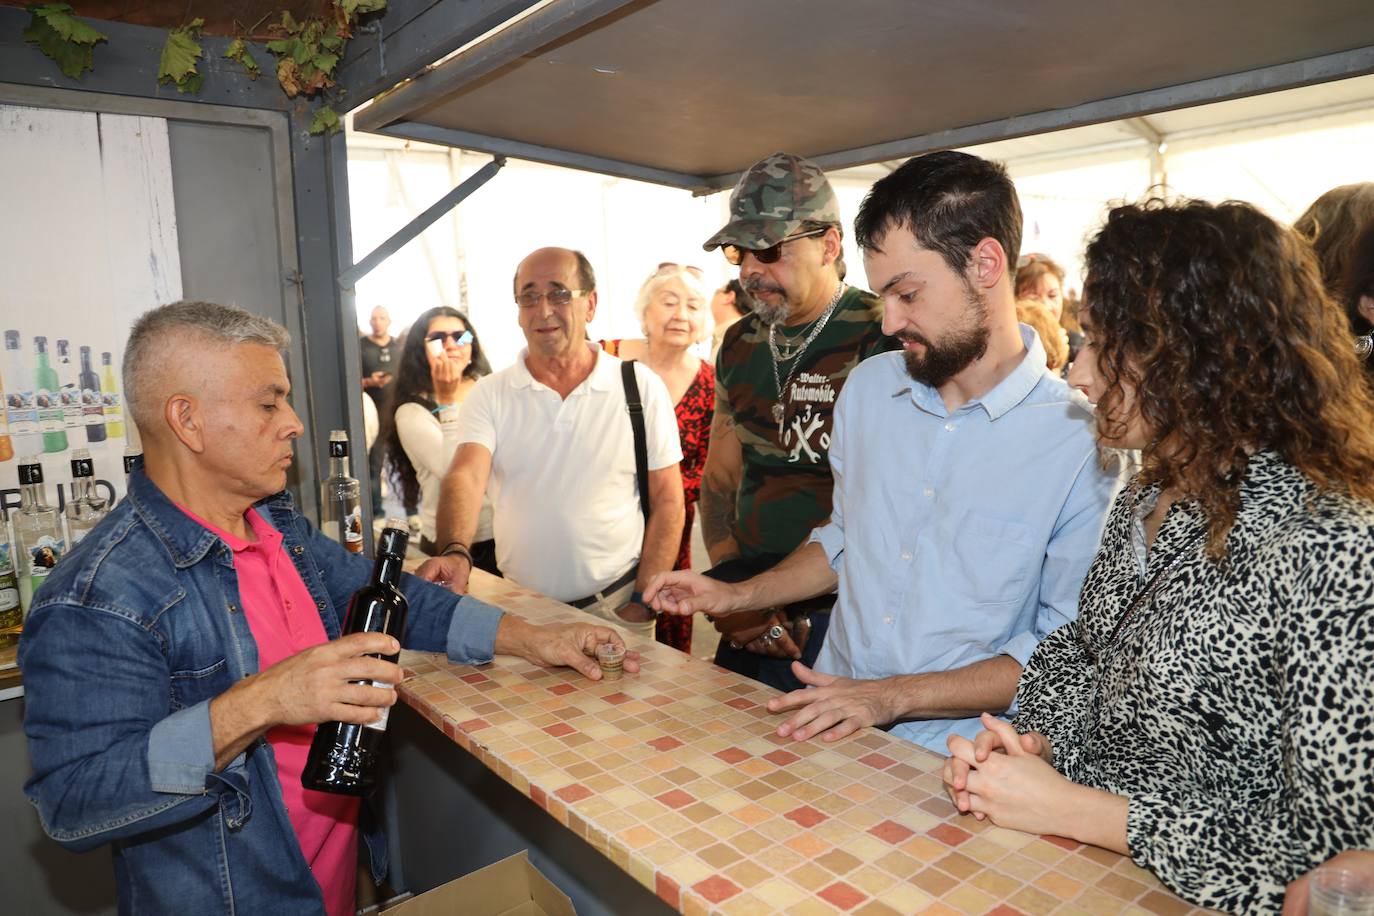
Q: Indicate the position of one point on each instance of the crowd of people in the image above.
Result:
(1109, 554)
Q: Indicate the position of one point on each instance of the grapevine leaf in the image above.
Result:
(354, 8)
(238, 50)
(179, 56)
(288, 22)
(289, 75)
(326, 119)
(281, 46)
(62, 37)
(326, 61)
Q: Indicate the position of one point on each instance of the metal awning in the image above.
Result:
(688, 93)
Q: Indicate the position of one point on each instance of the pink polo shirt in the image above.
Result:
(284, 620)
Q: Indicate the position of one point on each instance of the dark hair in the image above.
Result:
(950, 201)
(1331, 224)
(1359, 279)
(413, 384)
(814, 225)
(1217, 318)
(585, 275)
(743, 304)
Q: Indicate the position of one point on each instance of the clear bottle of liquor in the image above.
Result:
(11, 612)
(38, 541)
(71, 390)
(341, 514)
(21, 406)
(84, 508)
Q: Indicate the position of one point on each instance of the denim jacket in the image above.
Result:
(126, 644)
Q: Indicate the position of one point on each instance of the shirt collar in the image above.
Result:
(267, 537)
(187, 540)
(602, 378)
(1009, 392)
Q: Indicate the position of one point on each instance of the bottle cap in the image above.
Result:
(338, 443)
(82, 466)
(395, 538)
(30, 471)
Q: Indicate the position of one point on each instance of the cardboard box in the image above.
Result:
(511, 887)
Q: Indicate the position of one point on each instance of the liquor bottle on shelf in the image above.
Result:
(84, 508)
(92, 408)
(38, 542)
(71, 390)
(11, 612)
(109, 399)
(344, 757)
(20, 407)
(6, 445)
(47, 391)
(133, 457)
(341, 514)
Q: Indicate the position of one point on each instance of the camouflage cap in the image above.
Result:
(773, 199)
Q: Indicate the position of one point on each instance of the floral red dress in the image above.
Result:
(694, 431)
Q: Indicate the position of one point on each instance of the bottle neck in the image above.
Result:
(338, 466)
(31, 496)
(387, 568)
(82, 488)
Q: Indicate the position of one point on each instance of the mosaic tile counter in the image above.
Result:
(676, 776)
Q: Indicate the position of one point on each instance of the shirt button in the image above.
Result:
(887, 620)
(319, 604)
(928, 492)
(233, 609)
(906, 556)
(949, 426)
(298, 550)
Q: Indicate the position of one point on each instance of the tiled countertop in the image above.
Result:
(676, 776)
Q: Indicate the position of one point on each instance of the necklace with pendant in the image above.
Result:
(778, 410)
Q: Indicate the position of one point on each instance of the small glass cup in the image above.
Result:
(612, 660)
(1338, 891)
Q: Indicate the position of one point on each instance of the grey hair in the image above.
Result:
(213, 323)
(695, 285)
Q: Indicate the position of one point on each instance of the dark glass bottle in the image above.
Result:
(344, 756)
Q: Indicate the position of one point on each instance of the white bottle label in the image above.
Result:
(23, 412)
(44, 555)
(380, 724)
(353, 530)
(113, 412)
(50, 415)
(71, 405)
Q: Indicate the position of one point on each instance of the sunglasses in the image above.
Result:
(459, 338)
(531, 298)
(734, 253)
(690, 268)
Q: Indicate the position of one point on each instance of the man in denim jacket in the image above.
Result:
(153, 723)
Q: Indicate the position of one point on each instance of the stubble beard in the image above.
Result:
(956, 350)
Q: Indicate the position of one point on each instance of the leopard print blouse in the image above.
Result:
(1234, 706)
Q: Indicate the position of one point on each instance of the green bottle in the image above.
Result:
(52, 418)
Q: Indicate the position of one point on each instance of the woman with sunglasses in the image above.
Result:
(1209, 712)
(441, 360)
(672, 306)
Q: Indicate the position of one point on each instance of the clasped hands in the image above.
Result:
(1008, 778)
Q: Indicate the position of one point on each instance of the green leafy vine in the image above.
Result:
(62, 37)
(179, 55)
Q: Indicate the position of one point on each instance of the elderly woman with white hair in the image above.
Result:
(672, 306)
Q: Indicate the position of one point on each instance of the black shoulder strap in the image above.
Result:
(627, 375)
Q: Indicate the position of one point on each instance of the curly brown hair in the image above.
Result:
(1216, 317)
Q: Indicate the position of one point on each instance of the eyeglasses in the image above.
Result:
(734, 253)
(690, 268)
(459, 338)
(530, 298)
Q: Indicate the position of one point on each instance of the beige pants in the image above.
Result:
(611, 602)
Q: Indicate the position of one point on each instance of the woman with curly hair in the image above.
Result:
(1208, 713)
(441, 360)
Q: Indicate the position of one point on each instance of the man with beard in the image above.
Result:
(779, 371)
(968, 497)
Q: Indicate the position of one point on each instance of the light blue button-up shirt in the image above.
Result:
(957, 536)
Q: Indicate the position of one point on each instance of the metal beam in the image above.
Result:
(349, 278)
(544, 24)
(1357, 62)
(498, 146)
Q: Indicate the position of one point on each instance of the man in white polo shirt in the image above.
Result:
(552, 435)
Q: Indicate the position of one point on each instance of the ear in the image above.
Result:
(987, 264)
(591, 306)
(832, 246)
(1366, 308)
(182, 413)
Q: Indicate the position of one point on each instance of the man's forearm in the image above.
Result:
(662, 538)
(960, 693)
(460, 502)
(717, 512)
(236, 721)
(803, 573)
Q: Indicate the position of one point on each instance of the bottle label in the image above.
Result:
(51, 419)
(83, 467)
(338, 448)
(70, 397)
(111, 408)
(10, 613)
(44, 555)
(129, 462)
(30, 473)
(92, 407)
(23, 412)
(380, 724)
(353, 530)
(6, 560)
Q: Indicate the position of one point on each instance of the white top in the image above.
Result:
(430, 445)
(567, 519)
(957, 536)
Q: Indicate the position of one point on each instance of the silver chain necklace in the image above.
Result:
(779, 411)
